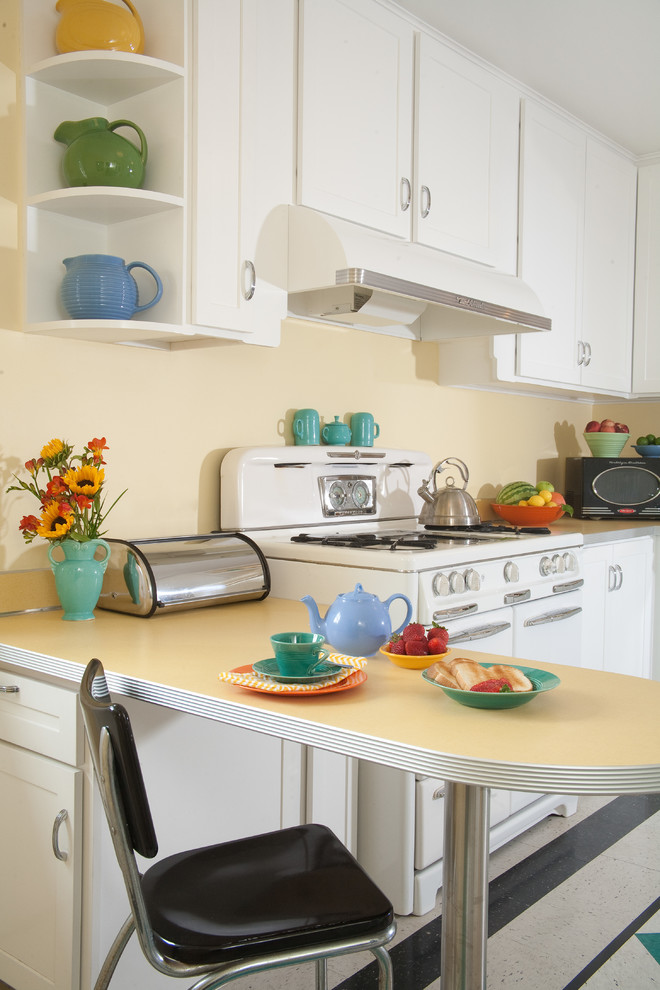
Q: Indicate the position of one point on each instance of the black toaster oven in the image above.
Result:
(613, 487)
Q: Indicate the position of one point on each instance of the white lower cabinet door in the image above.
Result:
(40, 875)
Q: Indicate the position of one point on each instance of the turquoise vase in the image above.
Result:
(78, 576)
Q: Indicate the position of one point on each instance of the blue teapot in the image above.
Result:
(356, 623)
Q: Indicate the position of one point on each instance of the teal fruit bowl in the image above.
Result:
(647, 450)
(606, 444)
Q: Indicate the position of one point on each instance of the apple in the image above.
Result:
(558, 499)
(621, 428)
(592, 427)
(607, 426)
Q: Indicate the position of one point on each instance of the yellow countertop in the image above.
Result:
(596, 733)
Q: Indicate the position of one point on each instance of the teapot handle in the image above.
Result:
(143, 141)
(403, 598)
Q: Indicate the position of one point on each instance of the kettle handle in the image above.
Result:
(403, 598)
(454, 462)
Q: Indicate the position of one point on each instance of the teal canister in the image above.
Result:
(338, 434)
(101, 287)
(96, 156)
(364, 430)
(306, 427)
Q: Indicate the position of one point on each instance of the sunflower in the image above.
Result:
(56, 521)
(55, 452)
(85, 480)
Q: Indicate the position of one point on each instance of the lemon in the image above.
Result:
(546, 495)
(522, 502)
(536, 500)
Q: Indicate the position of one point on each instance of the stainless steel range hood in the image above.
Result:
(340, 272)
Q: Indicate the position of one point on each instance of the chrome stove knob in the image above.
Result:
(456, 583)
(440, 585)
(558, 563)
(472, 579)
(511, 572)
(545, 566)
(570, 561)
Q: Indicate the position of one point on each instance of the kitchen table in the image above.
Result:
(597, 733)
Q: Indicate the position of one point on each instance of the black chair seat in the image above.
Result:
(267, 893)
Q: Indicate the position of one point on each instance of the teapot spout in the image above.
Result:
(423, 490)
(316, 623)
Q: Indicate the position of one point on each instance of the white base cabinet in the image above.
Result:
(40, 835)
(618, 606)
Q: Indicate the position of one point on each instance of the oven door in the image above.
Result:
(491, 632)
(549, 630)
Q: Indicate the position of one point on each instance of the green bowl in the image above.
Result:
(606, 444)
(542, 680)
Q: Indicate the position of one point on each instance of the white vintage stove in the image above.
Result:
(328, 517)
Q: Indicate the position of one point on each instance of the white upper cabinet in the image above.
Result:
(243, 149)
(466, 158)
(646, 351)
(355, 108)
(434, 162)
(577, 253)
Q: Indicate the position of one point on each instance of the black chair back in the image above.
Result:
(101, 713)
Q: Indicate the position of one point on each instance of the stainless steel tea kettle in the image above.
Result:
(448, 506)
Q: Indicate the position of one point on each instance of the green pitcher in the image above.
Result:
(96, 156)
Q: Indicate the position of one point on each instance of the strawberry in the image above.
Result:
(414, 631)
(437, 645)
(497, 685)
(417, 648)
(399, 647)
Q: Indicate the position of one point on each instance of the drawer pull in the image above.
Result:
(9, 689)
(60, 818)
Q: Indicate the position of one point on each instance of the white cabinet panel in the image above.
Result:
(646, 348)
(618, 607)
(355, 112)
(466, 160)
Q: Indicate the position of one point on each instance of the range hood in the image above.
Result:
(340, 272)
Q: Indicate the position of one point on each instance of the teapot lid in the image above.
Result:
(359, 594)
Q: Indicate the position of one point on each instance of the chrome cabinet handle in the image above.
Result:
(615, 579)
(425, 202)
(479, 632)
(60, 818)
(9, 689)
(405, 194)
(542, 620)
(248, 291)
(580, 353)
(587, 354)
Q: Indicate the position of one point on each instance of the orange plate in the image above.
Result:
(528, 515)
(353, 680)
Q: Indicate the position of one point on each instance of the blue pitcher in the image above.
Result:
(101, 287)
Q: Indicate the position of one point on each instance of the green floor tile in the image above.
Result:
(652, 943)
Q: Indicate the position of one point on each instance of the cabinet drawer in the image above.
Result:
(40, 717)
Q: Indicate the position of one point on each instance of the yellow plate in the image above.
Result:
(413, 663)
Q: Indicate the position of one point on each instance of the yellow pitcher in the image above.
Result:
(98, 24)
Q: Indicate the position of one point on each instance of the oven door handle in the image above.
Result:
(456, 612)
(479, 632)
(513, 597)
(562, 589)
(558, 616)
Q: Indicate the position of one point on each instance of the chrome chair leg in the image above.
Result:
(385, 975)
(321, 974)
(114, 954)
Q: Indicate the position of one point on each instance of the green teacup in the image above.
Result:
(298, 654)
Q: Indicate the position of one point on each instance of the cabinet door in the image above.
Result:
(466, 154)
(646, 348)
(355, 113)
(40, 902)
(608, 266)
(243, 165)
(552, 219)
(595, 571)
(629, 608)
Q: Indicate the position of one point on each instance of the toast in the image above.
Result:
(516, 678)
(469, 672)
(441, 672)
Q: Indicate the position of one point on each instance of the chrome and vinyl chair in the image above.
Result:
(236, 908)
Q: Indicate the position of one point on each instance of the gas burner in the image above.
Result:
(413, 540)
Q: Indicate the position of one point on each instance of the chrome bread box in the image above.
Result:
(148, 577)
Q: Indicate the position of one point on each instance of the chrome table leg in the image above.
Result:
(465, 887)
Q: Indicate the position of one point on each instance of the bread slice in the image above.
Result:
(469, 672)
(441, 673)
(516, 678)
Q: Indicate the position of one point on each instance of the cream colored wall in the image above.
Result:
(169, 416)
